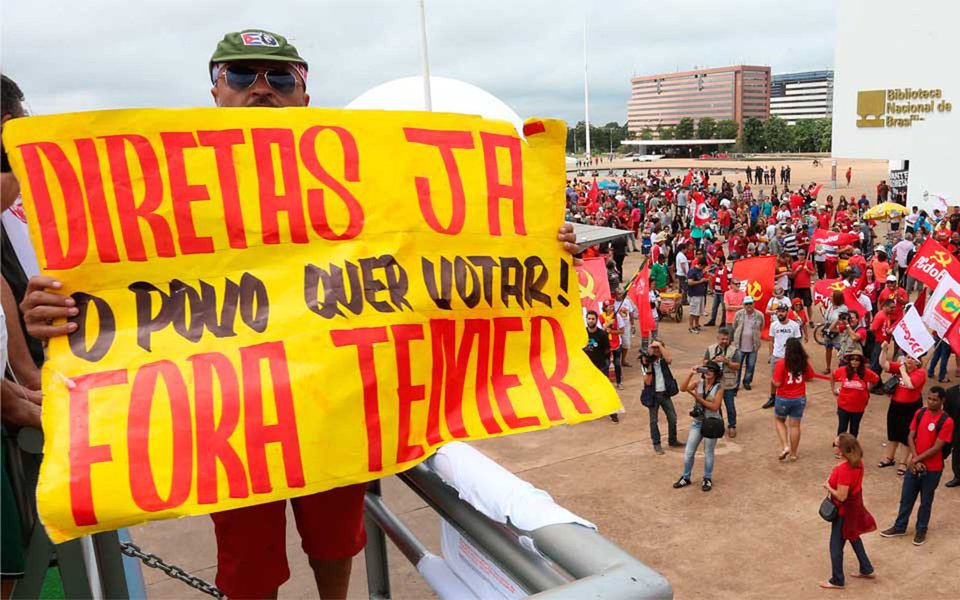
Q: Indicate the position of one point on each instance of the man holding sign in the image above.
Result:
(256, 68)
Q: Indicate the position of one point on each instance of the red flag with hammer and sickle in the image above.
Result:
(757, 275)
(931, 261)
(594, 286)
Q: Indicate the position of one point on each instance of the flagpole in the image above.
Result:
(425, 60)
(586, 85)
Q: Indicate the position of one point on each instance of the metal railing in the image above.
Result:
(569, 560)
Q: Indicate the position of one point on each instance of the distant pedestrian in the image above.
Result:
(749, 171)
(659, 387)
(849, 175)
(845, 487)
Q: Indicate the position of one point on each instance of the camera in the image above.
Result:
(697, 411)
(703, 370)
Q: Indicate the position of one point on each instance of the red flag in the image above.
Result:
(757, 273)
(831, 238)
(931, 261)
(594, 192)
(688, 178)
(816, 190)
(823, 291)
(702, 215)
(952, 336)
(921, 302)
(639, 294)
(594, 286)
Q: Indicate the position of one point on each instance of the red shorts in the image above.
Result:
(251, 541)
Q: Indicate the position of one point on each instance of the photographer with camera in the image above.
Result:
(707, 422)
(728, 357)
(659, 387)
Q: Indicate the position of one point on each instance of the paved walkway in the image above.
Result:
(756, 535)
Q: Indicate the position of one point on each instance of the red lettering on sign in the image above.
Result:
(449, 374)
(129, 212)
(496, 190)
(143, 486)
(82, 455)
(364, 339)
(96, 201)
(503, 381)
(76, 246)
(213, 438)
(183, 193)
(546, 384)
(407, 393)
(446, 142)
(316, 205)
(271, 201)
(223, 143)
(284, 431)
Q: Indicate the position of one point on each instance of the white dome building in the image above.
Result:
(447, 95)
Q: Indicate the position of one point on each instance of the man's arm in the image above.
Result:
(21, 362)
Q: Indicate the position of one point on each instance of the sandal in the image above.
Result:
(793, 458)
(830, 586)
(784, 453)
(902, 470)
(887, 462)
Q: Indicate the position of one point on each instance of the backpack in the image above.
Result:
(945, 450)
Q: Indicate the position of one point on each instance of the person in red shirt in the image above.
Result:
(881, 327)
(891, 291)
(930, 429)
(801, 273)
(906, 400)
(790, 375)
(796, 202)
(855, 381)
(614, 324)
(845, 487)
(823, 218)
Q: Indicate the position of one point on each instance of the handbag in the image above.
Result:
(828, 510)
(890, 385)
(713, 428)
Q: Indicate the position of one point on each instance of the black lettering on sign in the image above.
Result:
(486, 264)
(511, 280)
(254, 304)
(147, 321)
(105, 334)
(440, 294)
(325, 290)
(462, 269)
(535, 279)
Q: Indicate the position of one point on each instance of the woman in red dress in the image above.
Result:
(845, 487)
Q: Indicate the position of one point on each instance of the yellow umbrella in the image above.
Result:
(887, 210)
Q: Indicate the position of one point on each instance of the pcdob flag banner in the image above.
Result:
(943, 307)
(278, 302)
(911, 335)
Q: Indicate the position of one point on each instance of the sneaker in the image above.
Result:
(681, 483)
(689, 329)
(707, 485)
(677, 444)
(658, 449)
(919, 538)
(615, 418)
(893, 532)
(769, 403)
(619, 386)
(710, 324)
(746, 386)
(955, 482)
(732, 431)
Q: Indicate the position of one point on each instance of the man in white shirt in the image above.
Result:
(683, 265)
(781, 329)
(901, 250)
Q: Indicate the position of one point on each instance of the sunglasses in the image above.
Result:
(240, 78)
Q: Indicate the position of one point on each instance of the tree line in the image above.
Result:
(771, 135)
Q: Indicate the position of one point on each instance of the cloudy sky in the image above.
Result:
(92, 54)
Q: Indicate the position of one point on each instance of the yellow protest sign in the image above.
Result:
(276, 302)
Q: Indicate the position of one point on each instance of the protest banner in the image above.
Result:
(823, 293)
(274, 303)
(911, 335)
(756, 275)
(639, 294)
(825, 237)
(931, 261)
(594, 285)
(943, 308)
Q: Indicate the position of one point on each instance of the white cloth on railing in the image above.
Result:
(496, 492)
(442, 580)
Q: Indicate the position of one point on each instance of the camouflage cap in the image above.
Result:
(255, 44)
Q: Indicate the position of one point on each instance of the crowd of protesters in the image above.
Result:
(691, 250)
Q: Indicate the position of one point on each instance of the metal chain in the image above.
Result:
(155, 562)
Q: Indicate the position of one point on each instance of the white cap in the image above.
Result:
(892, 278)
(748, 300)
